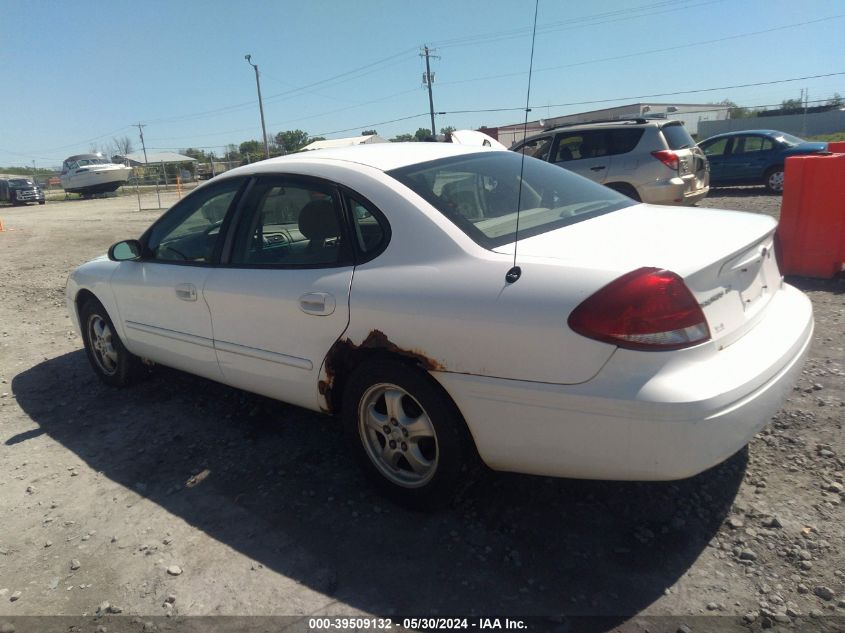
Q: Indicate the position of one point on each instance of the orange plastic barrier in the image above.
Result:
(812, 216)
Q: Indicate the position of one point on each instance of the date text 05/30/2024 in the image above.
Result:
(414, 624)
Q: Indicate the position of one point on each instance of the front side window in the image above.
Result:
(291, 224)
(480, 194)
(716, 148)
(188, 232)
(537, 147)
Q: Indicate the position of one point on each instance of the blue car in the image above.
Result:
(753, 157)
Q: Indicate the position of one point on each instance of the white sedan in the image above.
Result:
(378, 283)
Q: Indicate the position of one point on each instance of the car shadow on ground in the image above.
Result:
(277, 484)
(835, 286)
(739, 192)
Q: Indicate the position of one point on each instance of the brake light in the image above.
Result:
(646, 309)
(667, 157)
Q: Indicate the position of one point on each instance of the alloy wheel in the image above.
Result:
(398, 435)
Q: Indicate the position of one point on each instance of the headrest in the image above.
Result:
(318, 220)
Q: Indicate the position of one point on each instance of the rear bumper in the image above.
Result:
(676, 191)
(647, 415)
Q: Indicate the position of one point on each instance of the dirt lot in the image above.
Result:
(182, 497)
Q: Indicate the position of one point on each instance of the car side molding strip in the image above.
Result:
(171, 334)
(262, 354)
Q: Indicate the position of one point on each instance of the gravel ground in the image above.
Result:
(181, 497)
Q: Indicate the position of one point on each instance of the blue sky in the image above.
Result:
(77, 74)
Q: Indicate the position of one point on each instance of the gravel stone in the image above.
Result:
(747, 554)
(15, 596)
(174, 570)
(75, 564)
(825, 593)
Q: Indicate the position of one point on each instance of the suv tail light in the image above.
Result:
(646, 309)
(667, 157)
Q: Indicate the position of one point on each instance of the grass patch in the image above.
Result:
(828, 138)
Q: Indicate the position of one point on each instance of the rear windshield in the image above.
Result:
(677, 136)
(790, 140)
(479, 193)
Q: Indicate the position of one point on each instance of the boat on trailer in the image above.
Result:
(90, 174)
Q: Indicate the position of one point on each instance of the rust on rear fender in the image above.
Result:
(345, 354)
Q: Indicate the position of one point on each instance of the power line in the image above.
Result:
(372, 125)
(648, 96)
(648, 52)
(350, 74)
(619, 15)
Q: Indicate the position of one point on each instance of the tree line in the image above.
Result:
(287, 142)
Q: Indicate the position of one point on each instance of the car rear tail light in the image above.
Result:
(646, 309)
(668, 158)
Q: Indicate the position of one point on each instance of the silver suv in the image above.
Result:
(648, 160)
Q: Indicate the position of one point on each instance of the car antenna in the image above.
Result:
(516, 272)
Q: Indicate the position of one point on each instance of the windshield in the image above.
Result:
(790, 140)
(20, 182)
(479, 192)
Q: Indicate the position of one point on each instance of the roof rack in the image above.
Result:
(638, 119)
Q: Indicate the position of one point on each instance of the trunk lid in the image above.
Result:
(726, 258)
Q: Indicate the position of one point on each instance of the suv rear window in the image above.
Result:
(677, 137)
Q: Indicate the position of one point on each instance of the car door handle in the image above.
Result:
(186, 292)
(597, 168)
(317, 303)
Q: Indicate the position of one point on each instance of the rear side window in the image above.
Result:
(756, 144)
(677, 137)
(625, 140)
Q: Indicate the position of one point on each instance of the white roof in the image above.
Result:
(383, 156)
(344, 142)
(154, 158)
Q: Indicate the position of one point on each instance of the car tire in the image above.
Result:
(407, 433)
(42, 202)
(773, 179)
(626, 190)
(112, 362)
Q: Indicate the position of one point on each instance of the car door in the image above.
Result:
(739, 164)
(280, 299)
(586, 152)
(758, 154)
(159, 297)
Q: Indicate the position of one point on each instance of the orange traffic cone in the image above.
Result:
(1, 225)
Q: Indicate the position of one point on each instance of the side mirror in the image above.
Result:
(127, 250)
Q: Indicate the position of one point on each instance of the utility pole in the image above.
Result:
(34, 175)
(804, 118)
(144, 147)
(248, 59)
(428, 80)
